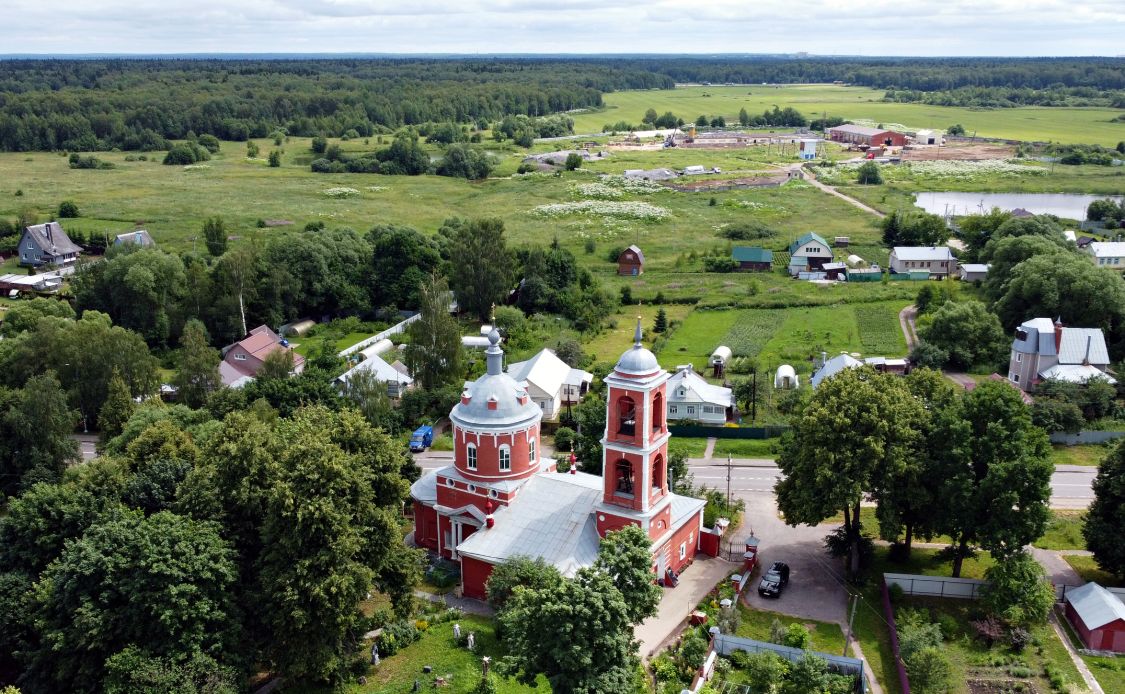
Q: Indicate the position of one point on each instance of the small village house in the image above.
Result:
(753, 258)
(1098, 616)
(395, 376)
(973, 272)
(139, 237)
(830, 367)
(631, 261)
(835, 271)
(937, 260)
(550, 381)
(691, 397)
(242, 360)
(1045, 350)
(808, 253)
(47, 244)
(928, 137)
(865, 136)
(1109, 254)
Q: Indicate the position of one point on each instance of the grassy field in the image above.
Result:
(436, 648)
(1067, 125)
(789, 336)
(746, 448)
(1088, 569)
(1079, 455)
(1064, 531)
(826, 637)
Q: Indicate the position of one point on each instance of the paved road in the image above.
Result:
(1071, 485)
(88, 444)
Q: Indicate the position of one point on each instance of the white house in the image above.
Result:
(928, 137)
(808, 253)
(1108, 254)
(937, 260)
(690, 396)
(972, 272)
(833, 366)
(396, 375)
(550, 382)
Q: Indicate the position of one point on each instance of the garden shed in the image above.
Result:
(631, 261)
(1098, 616)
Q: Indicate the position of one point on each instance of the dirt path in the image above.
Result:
(832, 191)
(906, 320)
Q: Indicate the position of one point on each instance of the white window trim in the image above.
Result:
(683, 550)
(531, 451)
(505, 458)
(238, 356)
(471, 456)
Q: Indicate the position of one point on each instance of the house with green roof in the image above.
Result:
(809, 253)
(752, 258)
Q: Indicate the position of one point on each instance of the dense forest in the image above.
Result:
(140, 104)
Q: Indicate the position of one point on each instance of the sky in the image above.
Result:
(819, 27)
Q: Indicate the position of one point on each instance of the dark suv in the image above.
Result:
(774, 580)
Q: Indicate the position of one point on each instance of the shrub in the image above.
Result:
(741, 659)
(797, 636)
(693, 651)
(747, 231)
(719, 264)
(80, 162)
(1018, 638)
(67, 209)
(929, 670)
(868, 174)
(319, 144)
(275, 159)
(989, 629)
(397, 636)
(209, 142)
(564, 439)
(186, 153)
(573, 161)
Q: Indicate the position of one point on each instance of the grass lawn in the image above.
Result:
(1079, 455)
(745, 448)
(1064, 531)
(436, 648)
(826, 636)
(1088, 569)
(973, 661)
(925, 561)
(443, 443)
(692, 447)
(608, 345)
(1068, 125)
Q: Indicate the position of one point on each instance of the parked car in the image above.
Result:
(774, 580)
(422, 439)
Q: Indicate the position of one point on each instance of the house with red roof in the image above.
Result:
(242, 360)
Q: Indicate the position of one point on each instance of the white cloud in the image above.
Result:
(872, 27)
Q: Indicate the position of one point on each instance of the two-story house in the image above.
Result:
(937, 260)
(47, 244)
(808, 254)
(1046, 350)
(551, 382)
(242, 360)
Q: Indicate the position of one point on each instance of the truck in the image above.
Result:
(422, 438)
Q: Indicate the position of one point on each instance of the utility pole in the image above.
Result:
(754, 396)
(728, 481)
(848, 636)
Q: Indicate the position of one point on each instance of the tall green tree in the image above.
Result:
(976, 230)
(23, 315)
(117, 408)
(36, 424)
(626, 556)
(142, 289)
(1017, 590)
(520, 573)
(434, 352)
(482, 273)
(906, 496)
(914, 228)
(590, 417)
(215, 236)
(197, 375)
(184, 607)
(134, 671)
(578, 635)
(997, 471)
(330, 522)
(278, 364)
(402, 259)
(859, 428)
(1104, 525)
(969, 333)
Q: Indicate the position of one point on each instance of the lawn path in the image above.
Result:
(1083, 670)
(847, 198)
(906, 320)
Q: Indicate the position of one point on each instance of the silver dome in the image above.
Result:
(637, 361)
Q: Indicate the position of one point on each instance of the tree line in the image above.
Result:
(131, 104)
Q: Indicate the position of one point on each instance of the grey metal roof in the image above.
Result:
(683, 507)
(923, 253)
(424, 488)
(857, 129)
(1083, 345)
(1095, 605)
(382, 370)
(1076, 373)
(636, 249)
(141, 237)
(1040, 337)
(51, 239)
(834, 366)
(552, 518)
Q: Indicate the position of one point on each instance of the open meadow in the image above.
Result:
(1041, 124)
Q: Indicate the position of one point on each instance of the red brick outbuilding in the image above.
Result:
(1098, 616)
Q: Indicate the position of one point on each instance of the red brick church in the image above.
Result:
(500, 499)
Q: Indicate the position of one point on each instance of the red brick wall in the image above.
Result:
(474, 576)
(608, 522)
(689, 535)
(488, 455)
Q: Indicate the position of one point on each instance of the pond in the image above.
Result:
(1066, 205)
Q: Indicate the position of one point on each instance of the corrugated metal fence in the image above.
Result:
(395, 329)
